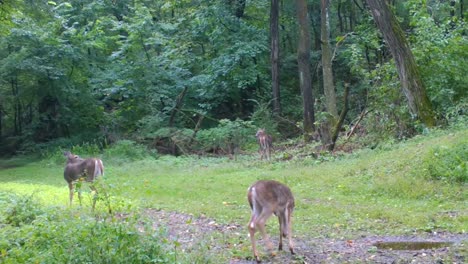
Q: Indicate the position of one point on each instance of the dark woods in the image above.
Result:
(185, 77)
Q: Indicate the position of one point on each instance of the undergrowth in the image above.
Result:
(33, 234)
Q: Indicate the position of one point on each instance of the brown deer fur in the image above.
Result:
(81, 169)
(265, 143)
(267, 197)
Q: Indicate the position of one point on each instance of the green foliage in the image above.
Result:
(262, 118)
(227, 137)
(448, 164)
(21, 210)
(438, 43)
(382, 191)
(54, 237)
(52, 152)
(127, 150)
(131, 69)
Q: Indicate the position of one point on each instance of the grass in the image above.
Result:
(381, 191)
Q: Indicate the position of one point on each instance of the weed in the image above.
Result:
(21, 210)
(61, 238)
(127, 150)
(449, 164)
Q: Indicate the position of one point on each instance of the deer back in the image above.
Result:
(77, 168)
(270, 195)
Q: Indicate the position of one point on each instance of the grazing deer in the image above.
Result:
(267, 197)
(265, 142)
(78, 169)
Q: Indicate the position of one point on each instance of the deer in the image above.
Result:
(78, 169)
(265, 143)
(268, 197)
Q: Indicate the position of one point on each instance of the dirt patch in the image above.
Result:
(190, 231)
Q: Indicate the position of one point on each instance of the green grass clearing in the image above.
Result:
(384, 191)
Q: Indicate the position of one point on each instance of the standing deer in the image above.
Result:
(78, 169)
(267, 197)
(265, 143)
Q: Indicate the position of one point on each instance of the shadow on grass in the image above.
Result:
(17, 161)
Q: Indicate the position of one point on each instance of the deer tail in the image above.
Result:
(253, 204)
(98, 168)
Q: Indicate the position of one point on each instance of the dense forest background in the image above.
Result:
(201, 76)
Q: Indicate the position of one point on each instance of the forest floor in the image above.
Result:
(196, 234)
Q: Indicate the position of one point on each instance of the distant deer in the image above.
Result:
(265, 143)
(267, 197)
(78, 169)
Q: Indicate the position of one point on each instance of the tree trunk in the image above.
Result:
(238, 7)
(339, 124)
(274, 35)
(462, 11)
(177, 105)
(1, 124)
(303, 61)
(340, 18)
(328, 86)
(411, 82)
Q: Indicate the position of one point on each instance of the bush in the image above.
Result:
(227, 137)
(127, 149)
(50, 236)
(262, 118)
(55, 155)
(448, 164)
(88, 143)
(21, 210)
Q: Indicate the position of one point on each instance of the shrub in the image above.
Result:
(21, 210)
(227, 137)
(449, 163)
(127, 149)
(50, 236)
(53, 152)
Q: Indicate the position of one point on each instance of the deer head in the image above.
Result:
(267, 197)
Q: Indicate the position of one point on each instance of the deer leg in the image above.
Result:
(281, 228)
(262, 218)
(252, 236)
(71, 187)
(289, 229)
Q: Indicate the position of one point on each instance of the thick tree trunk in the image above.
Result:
(328, 86)
(411, 82)
(274, 35)
(303, 61)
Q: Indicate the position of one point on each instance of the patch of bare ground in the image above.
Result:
(192, 233)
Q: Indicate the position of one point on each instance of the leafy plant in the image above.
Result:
(448, 163)
(127, 149)
(21, 210)
(65, 239)
(227, 137)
